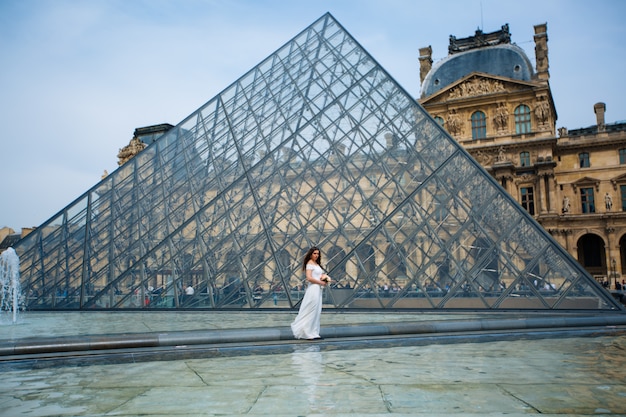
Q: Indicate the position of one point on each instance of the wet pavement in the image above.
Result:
(553, 376)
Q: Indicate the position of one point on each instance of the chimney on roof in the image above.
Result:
(599, 109)
(541, 51)
(426, 61)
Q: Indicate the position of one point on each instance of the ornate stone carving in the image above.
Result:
(586, 182)
(483, 158)
(563, 232)
(525, 179)
(479, 40)
(565, 208)
(133, 148)
(454, 123)
(476, 87)
(501, 118)
(501, 155)
(608, 201)
(542, 112)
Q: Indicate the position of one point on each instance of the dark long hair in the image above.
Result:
(308, 255)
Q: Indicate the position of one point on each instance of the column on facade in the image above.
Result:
(552, 198)
(544, 202)
(541, 195)
(613, 255)
(504, 174)
(560, 235)
(569, 244)
(511, 187)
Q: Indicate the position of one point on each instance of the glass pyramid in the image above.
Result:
(315, 146)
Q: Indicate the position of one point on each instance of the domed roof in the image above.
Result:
(505, 60)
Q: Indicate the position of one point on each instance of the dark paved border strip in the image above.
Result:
(21, 349)
(223, 350)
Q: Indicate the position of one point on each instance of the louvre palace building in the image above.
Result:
(573, 182)
(464, 198)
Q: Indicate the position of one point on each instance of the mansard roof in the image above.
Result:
(592, 130)
(505, 60)
(489, 83)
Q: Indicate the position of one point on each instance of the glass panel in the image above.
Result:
(317, 145)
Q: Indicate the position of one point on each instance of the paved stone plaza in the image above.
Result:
(548, 376)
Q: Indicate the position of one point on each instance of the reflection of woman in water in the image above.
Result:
(306, 363)
(307, 323)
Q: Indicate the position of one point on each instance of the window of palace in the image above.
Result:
(522, 119)
(586, 200)
(479, 125)
(527, 199)
(583, 159)
(524, 159)
(439, 120)
(622, 156)
(622, 190)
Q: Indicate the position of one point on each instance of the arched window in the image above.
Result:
(591, 254)
(439, 120)
(524, 159)
(522, 119)
(479, 125)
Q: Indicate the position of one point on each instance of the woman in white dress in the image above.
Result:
(307, 323)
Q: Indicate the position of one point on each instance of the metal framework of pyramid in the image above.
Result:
(315, 146)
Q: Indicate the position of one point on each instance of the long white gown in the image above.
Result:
(307, 322)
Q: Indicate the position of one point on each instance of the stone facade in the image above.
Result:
(573, 182)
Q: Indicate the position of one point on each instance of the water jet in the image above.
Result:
(11, 299)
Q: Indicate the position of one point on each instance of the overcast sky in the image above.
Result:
(77, 76)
